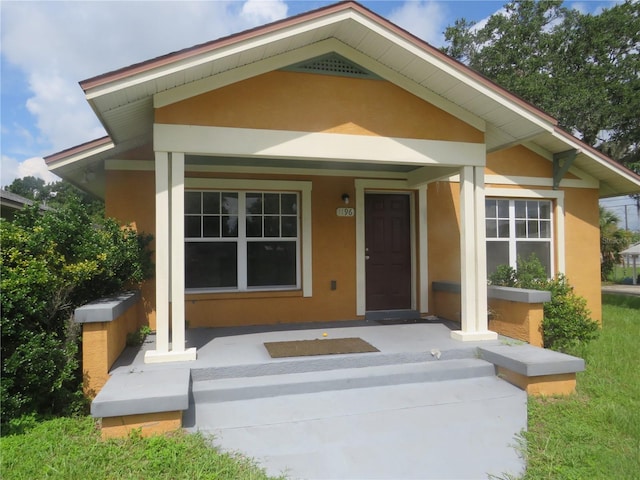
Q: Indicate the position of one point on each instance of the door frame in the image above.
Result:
(392, 187)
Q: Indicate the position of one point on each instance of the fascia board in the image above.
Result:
(216, 54)
(458, 72)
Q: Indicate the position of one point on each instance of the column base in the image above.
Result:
(473, 336)
(154, 356)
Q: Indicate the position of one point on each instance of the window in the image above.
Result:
(518, 228)
(241, 240)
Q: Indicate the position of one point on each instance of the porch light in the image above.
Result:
(345, 198)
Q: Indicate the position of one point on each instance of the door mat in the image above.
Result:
(326, 346)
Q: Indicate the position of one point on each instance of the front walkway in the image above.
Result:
(425, 406)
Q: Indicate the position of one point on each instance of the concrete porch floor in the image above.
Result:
(243, 346)
(424, 407)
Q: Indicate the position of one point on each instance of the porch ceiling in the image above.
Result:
(124, 100)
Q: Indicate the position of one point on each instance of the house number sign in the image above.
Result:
(346, 212)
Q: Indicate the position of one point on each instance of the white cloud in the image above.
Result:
(11, 169)
(425, 19)
(264, 11)
(57, 44)
(36, 167)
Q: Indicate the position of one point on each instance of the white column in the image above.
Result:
(177, 253)
(423, 268)
(162, 252)
(473, 278)
(170, 261)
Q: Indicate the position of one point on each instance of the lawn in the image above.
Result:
(70, 448)
(596, 432)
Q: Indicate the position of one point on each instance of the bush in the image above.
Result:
(51, 264)
(567, 323)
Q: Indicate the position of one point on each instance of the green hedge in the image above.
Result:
(52, 263)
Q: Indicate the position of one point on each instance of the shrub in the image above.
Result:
(567, 324)
(51, 264)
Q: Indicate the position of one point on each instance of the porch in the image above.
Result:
(424, 400)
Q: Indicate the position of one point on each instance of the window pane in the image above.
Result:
(545, 229)
(289, 203)
(272, 203)
(211, 202)
(289, 226)
(497, 254)
(545, 210)
(491, 208)
(211, 226)
(229, 226)
(271, 226)
(254, 203)
(192, 202)
(492, 229)
(521, 229)
(211, 265)
(503, 228)
(230, 203)
(541, 250)
(271, 264)
(532, 209)
(503, 208)
(254, 226)
(521, 211)
(533, 229)
(192, 226)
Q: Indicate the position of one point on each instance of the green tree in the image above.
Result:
(582, 69)
(52, 263)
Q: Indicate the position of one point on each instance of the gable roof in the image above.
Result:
(124, 99)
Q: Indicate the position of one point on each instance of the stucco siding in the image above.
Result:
(319, 103)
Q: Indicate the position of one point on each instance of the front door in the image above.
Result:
(387, 252)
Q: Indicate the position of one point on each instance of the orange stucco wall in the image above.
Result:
(102, 344)
(520, 161)
(146, 424)
(582, 239)
(319, 103)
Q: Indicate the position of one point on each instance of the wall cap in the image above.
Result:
(106, 309)
(520, 295)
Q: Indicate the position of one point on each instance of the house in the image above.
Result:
(331, 166)
(10, 203)
(631, 256)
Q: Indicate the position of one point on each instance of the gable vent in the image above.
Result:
(332, 64)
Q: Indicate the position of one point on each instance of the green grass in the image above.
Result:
(71, 448)
(594, 434)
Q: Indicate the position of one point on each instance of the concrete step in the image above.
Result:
(264, 386)
(326, 362)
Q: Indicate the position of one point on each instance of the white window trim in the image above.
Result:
(305, 260)
(557, 198)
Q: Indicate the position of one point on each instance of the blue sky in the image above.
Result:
(48, 47)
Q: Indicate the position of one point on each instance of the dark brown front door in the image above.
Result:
(387, 252)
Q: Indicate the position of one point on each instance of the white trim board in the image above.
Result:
(287, 144)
